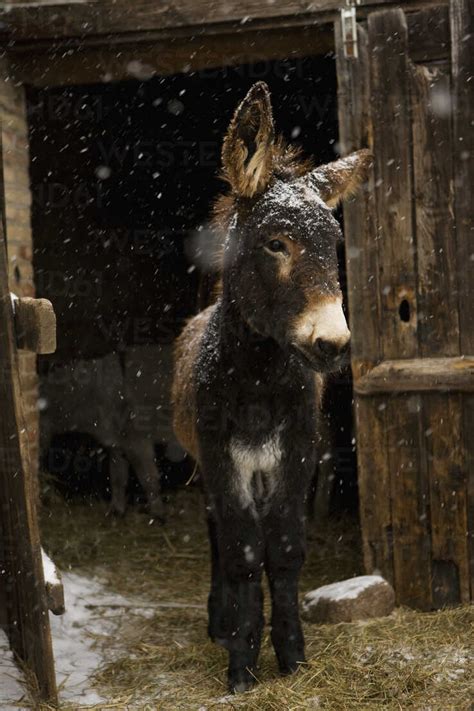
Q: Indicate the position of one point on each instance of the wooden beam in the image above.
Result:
(143, 59)
(35, 325)
(83, 20)
(419, 374)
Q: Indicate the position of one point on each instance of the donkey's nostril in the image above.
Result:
(330, 349)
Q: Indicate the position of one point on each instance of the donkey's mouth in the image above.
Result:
(317, 363)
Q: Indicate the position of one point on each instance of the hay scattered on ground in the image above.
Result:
(407, 661)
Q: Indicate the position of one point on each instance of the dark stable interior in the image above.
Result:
(123, 177)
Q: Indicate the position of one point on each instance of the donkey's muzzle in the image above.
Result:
(330, 350)
(324, 356)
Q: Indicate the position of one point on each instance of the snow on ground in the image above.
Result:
(84, 638)
(87, 634)
(11, 678)
(345, 590)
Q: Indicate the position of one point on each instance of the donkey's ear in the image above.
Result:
(340, 179)
(247, 153)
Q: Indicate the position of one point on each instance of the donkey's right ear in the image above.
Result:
(247, 153)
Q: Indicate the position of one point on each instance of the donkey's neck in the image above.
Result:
(249, 354)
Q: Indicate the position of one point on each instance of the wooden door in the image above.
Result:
(23, 600)
(410, 271)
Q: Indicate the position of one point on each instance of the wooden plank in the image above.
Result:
(28, 623)
(439, 330)
(84, 19)
(364, 312)
(429, 34)
(462, 27)
(390, 105)
(375, 504)
(468, 438)
(419, 374)
(35, 325)
(144, 59)
(434, 208)
(106, 17)
(438, 321)
(410, 502)
(462, 69)
(359, 213)
(448, 499)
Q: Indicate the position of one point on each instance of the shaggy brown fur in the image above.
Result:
(288, 164)
(249, 374)
(182, 393)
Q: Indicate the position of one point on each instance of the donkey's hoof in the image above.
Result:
(240, 680)
(289, 661)
(154, 511)
(116, 510)
(288, 667)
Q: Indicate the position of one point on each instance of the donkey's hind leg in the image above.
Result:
(118, 474)
(141, 454)
(215, 601)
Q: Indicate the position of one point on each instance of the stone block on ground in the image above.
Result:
(354, 599)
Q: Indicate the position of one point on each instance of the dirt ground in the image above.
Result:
(137, 601)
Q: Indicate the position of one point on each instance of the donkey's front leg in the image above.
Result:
(285, 553)
(237, 622)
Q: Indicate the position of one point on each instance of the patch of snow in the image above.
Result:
(11, 678)
(49, 570)
(85, 637)
(345, 590)
(13, 298)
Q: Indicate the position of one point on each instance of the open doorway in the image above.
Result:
(124, 175)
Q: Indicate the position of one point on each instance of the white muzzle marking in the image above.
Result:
(326, 321)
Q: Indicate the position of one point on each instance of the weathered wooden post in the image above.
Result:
(409, 251)
(22, 587)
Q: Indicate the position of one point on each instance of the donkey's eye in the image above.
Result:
(275, 246)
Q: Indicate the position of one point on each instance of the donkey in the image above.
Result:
(249, 375)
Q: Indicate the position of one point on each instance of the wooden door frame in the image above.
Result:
(23, 593)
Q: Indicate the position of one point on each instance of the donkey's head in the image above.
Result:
(280, 261)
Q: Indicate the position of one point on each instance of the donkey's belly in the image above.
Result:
(256, 469)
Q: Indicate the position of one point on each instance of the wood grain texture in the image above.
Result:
(23, 582)
(375, 502)
(462, 71)
(428, 33)
(409, 491)
(439, 332)
(35, 325)
(106, 17)
(355, 131)
(443, 443)
(418, 374)
(437, 274)
(391, 117)
(390, 107)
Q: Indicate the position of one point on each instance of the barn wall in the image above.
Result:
(18, 228)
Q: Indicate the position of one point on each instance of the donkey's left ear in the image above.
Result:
(247, 153)
(340, 179)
